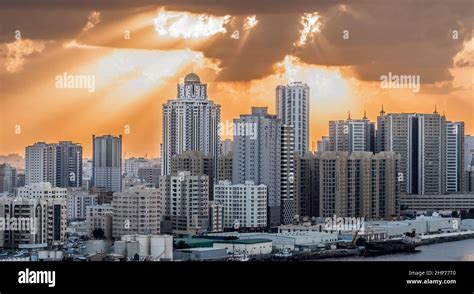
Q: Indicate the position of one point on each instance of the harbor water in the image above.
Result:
(447, 251)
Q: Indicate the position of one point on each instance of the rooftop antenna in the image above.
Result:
(382, 112)
(349, 115)
(435, 111)
(365, 114)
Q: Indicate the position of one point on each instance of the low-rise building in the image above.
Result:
(245, 246)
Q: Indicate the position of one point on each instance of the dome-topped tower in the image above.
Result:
(192, 78)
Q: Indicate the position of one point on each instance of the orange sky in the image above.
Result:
(132, 83)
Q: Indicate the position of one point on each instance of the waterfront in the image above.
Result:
(448, 251)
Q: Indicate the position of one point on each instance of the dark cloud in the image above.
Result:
(402, 37)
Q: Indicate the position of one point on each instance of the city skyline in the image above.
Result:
(327, 46)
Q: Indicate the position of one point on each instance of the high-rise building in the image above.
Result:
(358, 184)
(185, 203)
(454, 157)
(190, 122)
(8, 179)
(257, 156)
(224, 167)
(292, 107)
(42, 221)
(352, 135)
(468, 151)
(323, 144)
(68, 164)
(245, 205)
(287, 175)
(40, 163)
(107, 163)
(427, 145)
(307, 185)
(59, 164)
(133, 164)
(136, 211)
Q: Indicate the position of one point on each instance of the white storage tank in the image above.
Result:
(133, 247)
(129, 238)
(161, 247)
(120, 248)
(144, 241)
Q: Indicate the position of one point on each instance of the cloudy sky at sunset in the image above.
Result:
(139, 50)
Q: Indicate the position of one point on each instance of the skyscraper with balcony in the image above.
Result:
(107, 163)
(292, 107)
(190, 122)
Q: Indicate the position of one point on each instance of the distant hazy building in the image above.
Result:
(226, 146)
(150, 175)
(77, 203)
(8, 179)
(185, 203)
(352, 135)
(86, 173)
(245, 205)
(468, 151)
(59, 164)
(43, 221)
(323, 144)
(136, 211)
(132, 165)
(100, 217)
(292, 107)
(107, 163)
(224, 167)
(190, 122)
(358, 184)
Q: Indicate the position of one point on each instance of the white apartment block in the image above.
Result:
(41, 191)
(245, 205)
(77, 203)
(44, 220)
(136, 211)
(185, 200)
(99, 217)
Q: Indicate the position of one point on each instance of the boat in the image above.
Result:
(284, 253)
(390, 246)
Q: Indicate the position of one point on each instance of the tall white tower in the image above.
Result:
(190, 122)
